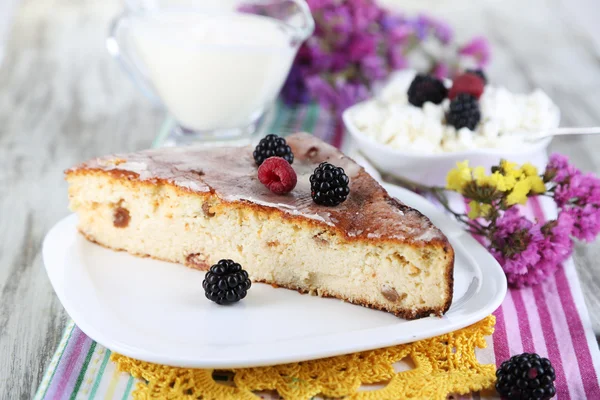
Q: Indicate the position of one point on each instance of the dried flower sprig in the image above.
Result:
(357, 43)
(528, 251)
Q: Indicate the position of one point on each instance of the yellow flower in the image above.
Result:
(519, 193)
(529, 169)
(477, 209)
(459, 176)
(501, 182)
(537, 184)
(510, 169)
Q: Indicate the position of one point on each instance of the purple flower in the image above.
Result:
(514, 245)
(366, 12)
(425, 24)
(577, 195)
(479, 49)
(373, 67)
(294, 89)
(396, 57)
(528, 252)
(318, 4)
(400, 34)
(554, 246)
(587, 221)
(360, 47)
(355, 44)
(349, 94)
(339, 96)
(559, 169)
(321, 91)
(389, 21)
(441, 70)
(338, 24)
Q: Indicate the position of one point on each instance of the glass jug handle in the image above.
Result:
(120, 50)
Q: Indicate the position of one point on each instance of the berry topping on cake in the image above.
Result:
(426, 88)
(468, 83)
(329, 185)
(272, 146)
(278, 175)
(226, 282)
(526, 376)
(479, 73)
(464, 112)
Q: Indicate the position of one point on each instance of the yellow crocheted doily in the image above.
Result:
(442, 365)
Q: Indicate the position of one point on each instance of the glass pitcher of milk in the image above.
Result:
(215, 65)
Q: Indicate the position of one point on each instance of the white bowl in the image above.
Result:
(431, 169)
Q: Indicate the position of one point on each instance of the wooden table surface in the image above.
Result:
(63, 100)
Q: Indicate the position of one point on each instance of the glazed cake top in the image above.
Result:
(231, 173)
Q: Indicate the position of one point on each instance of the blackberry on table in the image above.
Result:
(329, 185)
(526, 376)
(464, 112)
(272, 146)
(425, 88)
(226, 282)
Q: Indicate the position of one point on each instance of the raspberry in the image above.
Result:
(479, 73)
(468, 83)
(278, 175)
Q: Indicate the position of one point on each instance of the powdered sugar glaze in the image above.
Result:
(231, 174)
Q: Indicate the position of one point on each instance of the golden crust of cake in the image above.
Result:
(231, 174)
(227, 181)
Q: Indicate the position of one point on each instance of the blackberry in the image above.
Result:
(526, 376)
(464, 112)
(226, 282)
(479, 73)
(426, 88)
(329, 185)
(272, 146)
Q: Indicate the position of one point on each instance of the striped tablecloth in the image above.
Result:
(550, 319)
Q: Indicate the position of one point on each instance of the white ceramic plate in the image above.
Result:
(156, 311)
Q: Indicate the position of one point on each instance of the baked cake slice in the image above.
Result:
(195, 206)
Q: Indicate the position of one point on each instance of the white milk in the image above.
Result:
(214, 71)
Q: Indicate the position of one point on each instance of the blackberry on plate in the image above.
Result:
(526, 376)
(226, 282)
(426, 88)
(464, 112)
(479, 73)
(329, 185)
(272, 146)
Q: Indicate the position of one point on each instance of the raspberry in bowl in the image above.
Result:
(477, 121)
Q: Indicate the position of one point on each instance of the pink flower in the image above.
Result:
(554, 247)
(479, 49)
(577, 195)
(357, 43)
(441, 71)
(514, 245)
(400, 34)
(360, 47)
(396, 58)
(373, 67)
(528, 252)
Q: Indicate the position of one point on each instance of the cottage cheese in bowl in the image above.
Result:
(415, 143)
(391, 120)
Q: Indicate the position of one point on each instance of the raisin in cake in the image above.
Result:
(197, 206)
